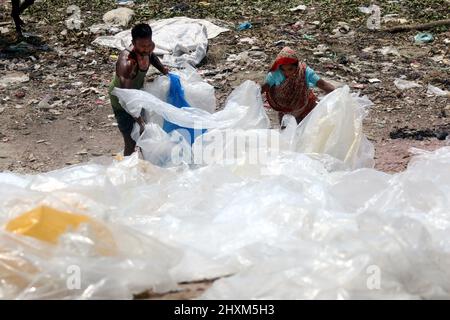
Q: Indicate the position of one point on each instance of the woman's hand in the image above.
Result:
(325, 86)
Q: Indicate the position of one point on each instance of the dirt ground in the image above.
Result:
(61, 114)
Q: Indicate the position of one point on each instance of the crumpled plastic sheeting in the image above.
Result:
(242, 109)
(33, 269)
(286, 228)
(178, 40)
(197, 92)
(333, 128)
(353, 235)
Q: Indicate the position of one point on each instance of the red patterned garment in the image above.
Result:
(292, 96)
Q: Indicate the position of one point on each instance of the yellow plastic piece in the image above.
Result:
(45, 223)
(48, 224)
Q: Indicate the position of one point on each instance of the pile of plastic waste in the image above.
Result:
(297, 213)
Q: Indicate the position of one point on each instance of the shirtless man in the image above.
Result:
(131, 68)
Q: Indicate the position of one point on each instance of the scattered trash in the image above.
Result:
(358, 85)
(301, 7)
(250, 41)
(423, 37)
(308, 37)
(4, 30)
(125, 2)
(44, 103)
(415, 134)
(298, 25)
(180, 7)
(74, 22)
(2, 109)
(394, 18)
(389, 51)
(343, 30)
(103, 28)
(118, 17)
(244, 26)
(13, 78)
(374, 80)
(374, 21)
(282, 43)
(435, 91)
(405, 84)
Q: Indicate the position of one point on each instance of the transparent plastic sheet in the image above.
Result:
(243, 109)
(286, 228)
(333, 128)
(100, 261)
(373, 235)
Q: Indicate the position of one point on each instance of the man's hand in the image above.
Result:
(165, 71)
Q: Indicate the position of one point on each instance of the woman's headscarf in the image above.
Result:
(286, 56)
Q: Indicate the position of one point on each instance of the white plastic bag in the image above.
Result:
(243, 109)
(405, 84)
(178, 40)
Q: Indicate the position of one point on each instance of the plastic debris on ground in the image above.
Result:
(435, 91)
(74, 21)
(405, 84)
(12, 78)
(119, 16)
(300, 7)
(308, 218)
(178, 40)
(244, 26)
(374, 21)
(423, 37)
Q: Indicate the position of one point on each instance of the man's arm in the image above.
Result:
(126, 71)
(325, 86)
(154, 60)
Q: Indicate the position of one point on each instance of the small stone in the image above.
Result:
(20, 94)
(442, 135)
(82, 152)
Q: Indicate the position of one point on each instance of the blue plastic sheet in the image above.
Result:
(176, 97)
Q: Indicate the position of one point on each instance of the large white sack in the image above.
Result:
(178, 40)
